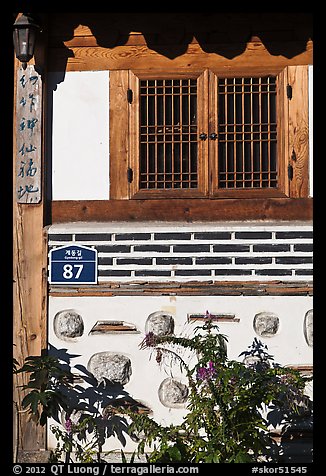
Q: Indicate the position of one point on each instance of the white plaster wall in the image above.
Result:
(310, 72)
(288, 346)
(80, 136)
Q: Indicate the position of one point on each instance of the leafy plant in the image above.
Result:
(225, 421)
(52, 394)
(15, 365)
(47, 380)
(80, 438)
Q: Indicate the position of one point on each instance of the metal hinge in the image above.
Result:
(130, 175)
(129, 95)
(289, 91)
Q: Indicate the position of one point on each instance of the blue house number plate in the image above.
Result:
(73, 264)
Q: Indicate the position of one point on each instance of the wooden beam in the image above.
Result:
(182, 210)
(191, 288)
(29, 261)
(29, 306)
(298, 141)
(140, 57)
(119, 134)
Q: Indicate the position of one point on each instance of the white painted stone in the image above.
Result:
(68, 325)
(111, 366)
(173, 393)
(308, 328)
(254, 361)
(160, 323)
(74, 417)
(266, 324)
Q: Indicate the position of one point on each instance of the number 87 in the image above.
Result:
(68, 271)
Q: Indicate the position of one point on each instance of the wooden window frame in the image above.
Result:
(238, 193)
(291, 118)
(202, 191)
(292, 203)
(207, 150)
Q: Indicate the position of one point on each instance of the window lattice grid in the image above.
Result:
(247, 140)
(168, 134)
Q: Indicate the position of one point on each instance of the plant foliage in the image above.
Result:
(47, 380)
(225, 421)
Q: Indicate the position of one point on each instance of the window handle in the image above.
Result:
(213, 136)
(203, 136)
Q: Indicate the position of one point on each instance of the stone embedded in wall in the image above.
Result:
(254, 361)
(75, 416)
(220, 317)
(266, 324)
(251, 360)
(160, 323)
(68, 324)
(308, 327)
(113, 327)
(111, 366)
(136, 406)
(172, 393)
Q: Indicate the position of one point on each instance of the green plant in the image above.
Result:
(15, 365)
(124, 459)
(81, 438)
(225, 421)
(46, 385)
(52, 394)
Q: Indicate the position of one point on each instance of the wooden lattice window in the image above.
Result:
(203, 134)
(167, 115)
(168, 134)
(247, 133)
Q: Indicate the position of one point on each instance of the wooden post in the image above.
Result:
(29, 241)
(298, 131)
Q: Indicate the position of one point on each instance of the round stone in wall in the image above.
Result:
(266, 324)
(74, 417)
(160, 323)
(308, 327)
(111, 366)
(256, 362)
(172, 393)
(68, 325)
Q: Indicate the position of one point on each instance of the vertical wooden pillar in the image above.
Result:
(299, 131)
(29, 240)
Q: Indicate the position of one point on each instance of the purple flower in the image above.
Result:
(286, 379)
(211, 366)
(201, 373)
(206, 373)
(208, 315)
(68, 425)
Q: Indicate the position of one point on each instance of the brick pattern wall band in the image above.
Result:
(240, 254)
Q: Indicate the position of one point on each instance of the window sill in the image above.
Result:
(182, 210)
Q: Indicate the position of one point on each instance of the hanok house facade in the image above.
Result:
(165, 160)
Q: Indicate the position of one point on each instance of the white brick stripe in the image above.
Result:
(176, 247)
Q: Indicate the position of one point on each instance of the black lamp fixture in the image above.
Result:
(25, 30)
